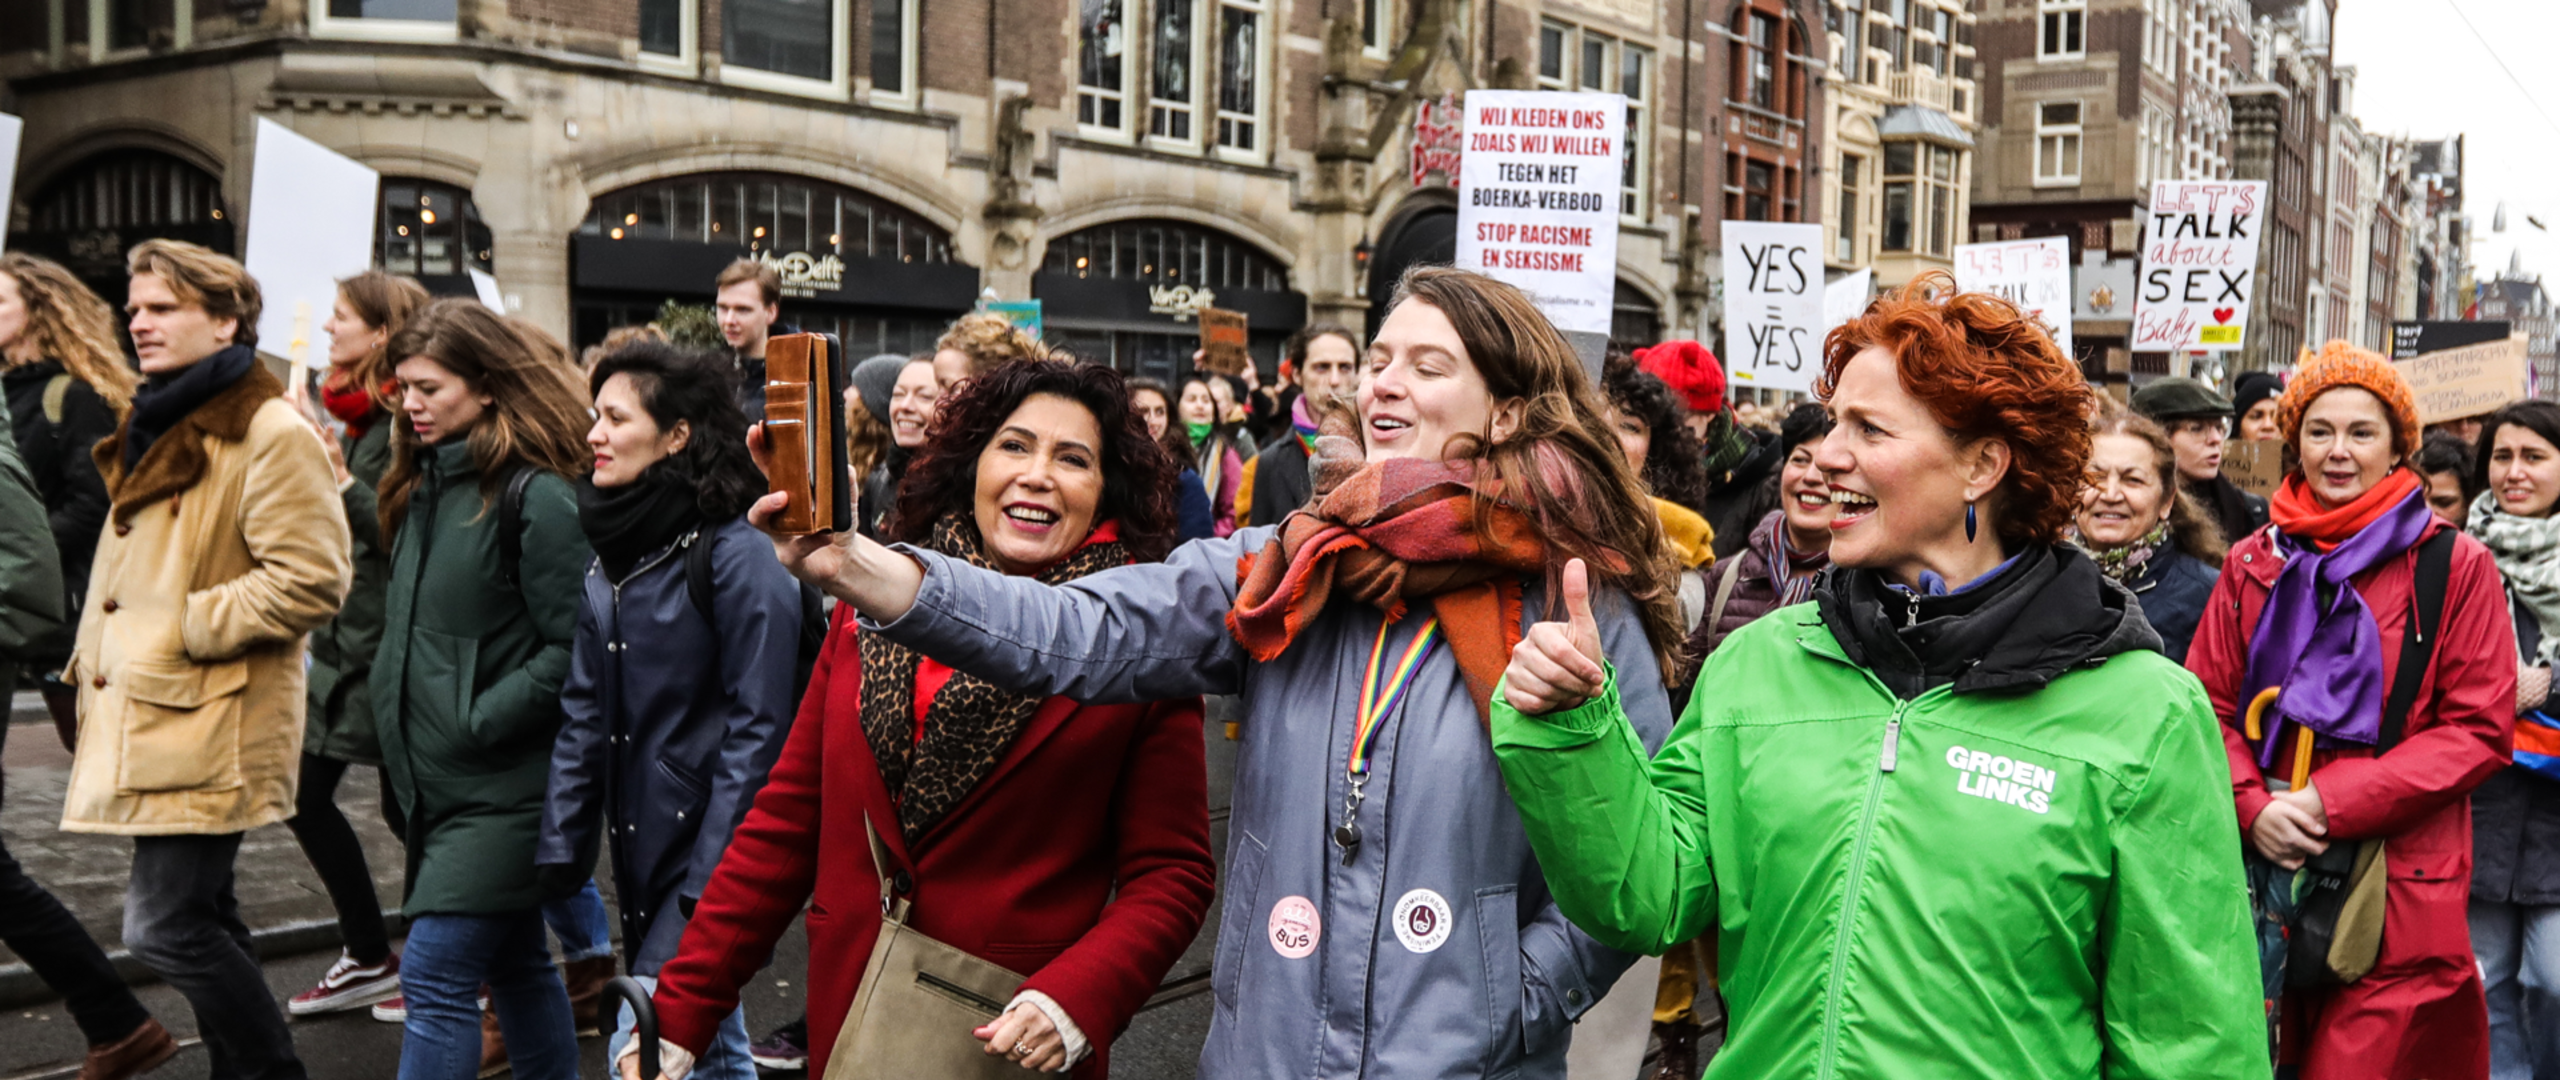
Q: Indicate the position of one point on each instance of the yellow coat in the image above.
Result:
(227, 543)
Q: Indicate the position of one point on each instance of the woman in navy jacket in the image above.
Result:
(682, 680)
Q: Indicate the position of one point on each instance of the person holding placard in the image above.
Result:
(1957, 816)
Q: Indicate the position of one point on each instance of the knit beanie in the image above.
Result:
(1689, 370)
(873, 380)
(2339, 364)
(2253, 387)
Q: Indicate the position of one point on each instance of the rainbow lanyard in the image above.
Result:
(1378, 700)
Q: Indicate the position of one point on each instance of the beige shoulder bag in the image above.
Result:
(918, 1002)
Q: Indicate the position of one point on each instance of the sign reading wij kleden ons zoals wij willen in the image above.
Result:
(1538, 199)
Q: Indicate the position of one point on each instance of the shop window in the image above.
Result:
(893, 48)
(1172, 92)
(2058, 144)
(766, 212)
(1164, 253)
(2062, 29)
(431, 232)
(1240, 76)
(1102, 58)
(801, 39)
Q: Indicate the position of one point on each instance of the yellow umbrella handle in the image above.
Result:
(2253, 722)
(2302, 756)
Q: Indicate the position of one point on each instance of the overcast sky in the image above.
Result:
(2420, 73)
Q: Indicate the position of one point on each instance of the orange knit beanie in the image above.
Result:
(2340, 364)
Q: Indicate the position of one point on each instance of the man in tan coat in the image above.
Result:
(226, 544)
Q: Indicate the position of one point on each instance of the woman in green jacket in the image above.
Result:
(1956, 817)
(338, 725)
(486, 568)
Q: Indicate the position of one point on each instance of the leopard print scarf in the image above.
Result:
(970, 723)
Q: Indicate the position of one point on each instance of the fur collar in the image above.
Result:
(177, 460)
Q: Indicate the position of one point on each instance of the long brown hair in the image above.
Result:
(1562, 467)
(537, 413)
(2189, 527)
(70, 325)
(385, 302)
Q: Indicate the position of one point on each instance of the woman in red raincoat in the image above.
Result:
(2350, 511)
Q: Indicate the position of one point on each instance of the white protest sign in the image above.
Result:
(2033, 274)
(2199, 264)
(486, 288)
(1847, 299)
(1538, 199)
(311, 222)
(1773, 304)
(10, 129)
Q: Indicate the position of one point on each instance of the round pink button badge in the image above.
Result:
(1295, 927)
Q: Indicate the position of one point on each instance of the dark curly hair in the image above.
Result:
(1674, 468)
(676, 383)
(1985, 371)
(1137, 474)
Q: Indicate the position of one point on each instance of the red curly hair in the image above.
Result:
(1985, 370)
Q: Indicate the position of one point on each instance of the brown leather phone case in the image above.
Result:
(804, 392)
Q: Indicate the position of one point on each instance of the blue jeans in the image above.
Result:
(579, 922)
(726, 1059)
(2519, 950)
(448, 958)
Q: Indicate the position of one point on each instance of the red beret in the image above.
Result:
(1690, 370)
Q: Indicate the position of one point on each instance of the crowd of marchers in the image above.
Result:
(1965, 719)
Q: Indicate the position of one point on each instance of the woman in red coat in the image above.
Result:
(2350, 512)
(1067, 841)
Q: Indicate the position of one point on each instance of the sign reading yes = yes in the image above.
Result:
(1773, 303)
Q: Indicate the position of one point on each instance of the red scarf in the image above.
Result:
(2298, 512)
(352, 405)
(1394, 532)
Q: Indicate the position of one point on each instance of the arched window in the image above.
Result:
(1165, 253)
(1634, 321)
(769, 212)
(432, 232)
(88, 216)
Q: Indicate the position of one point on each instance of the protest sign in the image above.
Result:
(484, 287)
(311, 222)
(1774, 304)
(1538, 199)
(2412, 338)
(2468, 381)
(1847, 299)
(2255, 466)
(2033, 274)
(1222, 341)
(10, 129)
(2199, 264)
(1022, 313)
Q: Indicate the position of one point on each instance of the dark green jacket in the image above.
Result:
(30, 568)
(466, 685)
(339, 723)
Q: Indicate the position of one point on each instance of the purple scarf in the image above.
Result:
(2329, 662)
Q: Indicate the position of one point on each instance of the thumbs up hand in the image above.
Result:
(1556, 666)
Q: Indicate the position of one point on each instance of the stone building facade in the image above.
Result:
(1121, 160)
(1905, 112)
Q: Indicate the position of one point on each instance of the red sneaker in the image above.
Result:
(348, 985)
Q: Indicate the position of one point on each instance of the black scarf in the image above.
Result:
(167, 397)
(2048, 610)
(626, 524)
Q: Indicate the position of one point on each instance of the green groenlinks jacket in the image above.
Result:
(339, 723)
(2020, 886)
(466, 685)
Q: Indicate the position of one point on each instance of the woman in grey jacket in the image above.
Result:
(1383, 916)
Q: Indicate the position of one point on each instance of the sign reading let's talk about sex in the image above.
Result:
(2033, 274)
(1538, 199)
(2199, 264)
(1773, 303)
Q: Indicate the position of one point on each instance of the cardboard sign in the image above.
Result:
(1222, 341)
(2033, 274)
(311, 222)
(2467, 381)
(1774, 304)
(2199, 265)
(1538, 199)
(10, 129)
(2255, 465)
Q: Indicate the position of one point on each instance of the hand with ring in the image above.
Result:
(1025, 1036)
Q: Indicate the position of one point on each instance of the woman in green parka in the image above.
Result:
(338, 724)
(487, 563)
(1955, 817)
